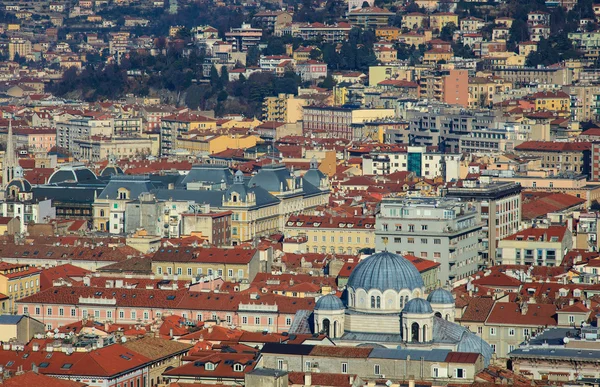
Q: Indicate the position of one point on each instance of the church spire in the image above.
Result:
(10, 160)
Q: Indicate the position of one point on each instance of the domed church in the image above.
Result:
(385, 305)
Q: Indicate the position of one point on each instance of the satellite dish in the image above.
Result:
(566, 340)
(388, 383)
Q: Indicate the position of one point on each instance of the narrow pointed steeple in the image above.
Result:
(10, 158)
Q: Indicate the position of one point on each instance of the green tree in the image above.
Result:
(327, 83)
(447, 32)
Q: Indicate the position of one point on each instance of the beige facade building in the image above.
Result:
(19, 46)
(98, 148)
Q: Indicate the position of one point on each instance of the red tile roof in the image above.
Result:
(540, 234)
(553, 146)
(509, 313)
(322, 222)
(35, 379)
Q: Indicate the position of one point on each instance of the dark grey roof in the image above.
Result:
(136, 185)
(287, 349)
(111, 170)
(364, 337)
(73, 174)
(417, 306)
(210, 173)
(310, 189)
(415, 354)
(22, 184)
(440, 296)
(163, 181)
(385, 271)
(554, 352)
(66, 194)
(267, 372)
(448, 332)
(214, 198)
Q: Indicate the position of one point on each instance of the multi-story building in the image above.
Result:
(449, 86)
(232, 265)
(535, 247)
(483, 91)
(270, 20)
(419, 160)
(283, 108)
(98, 148)
(35, 139)
(444, 126)
(444, 230)
(334, 33)
(558, 101)
(414, 20)
(175, 125)
(555, 75)
(588, 42)
(337, 122)
(244, 37)
(567, 157)
(83, 128)
(583, 101)
(311, 70)
(390, 34)
(441, 19)
(369, 17)
(499, 204)
(18, 281)
(19, 47)
(329, 234)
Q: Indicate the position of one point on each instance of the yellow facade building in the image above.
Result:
(283, 108)
(197, 143)
(18, 281)
(414, 20)
(558, 101)
(439, 20)
(390, 34)
(328, 234)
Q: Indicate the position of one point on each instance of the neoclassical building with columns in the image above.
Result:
(385, 305)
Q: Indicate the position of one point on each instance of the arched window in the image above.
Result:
(373, 302)
(414, 330)
(438, 314)
(326, 327)
(424, 333)
(378, 302)
(102, 213)
(401, 302)
(405, 300)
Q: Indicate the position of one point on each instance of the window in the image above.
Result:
(37, 311)
(511, 348)
(280, 364)
(209, 366)
(159, 270)
(229, 273)
(189, 271)
(511, 331)
(480, 330)
(571, 319)
(493, 347)
(25, 310)
(244, 320)
(270, 321)
(525, 331)
(377, 369)
(179, 271)
(241, 273)
(121, 314)
(61, 312)
(257, 320)
(460, 373)
(424, 227)
(437, 241)
(109, 314)
(97, 314)
(344, 368)
(307, 365)
(237, 367)
(133, 315)
(288, 321)
(49, 312)
(146, 316)
(493, 331)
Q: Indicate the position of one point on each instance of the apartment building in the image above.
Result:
(244, 37)
(535, 246)
(442, 126)
(337, 122)
(583, 101)
(499, 204)
(175, 125)
(439, 229)
(369, 17)
(448, 86)
(19, 47)
(566, 157)
(416, 159)
(16, 282)
(189, 264)
(98, 148)
(283, 108)
(555, 75)
(333, 33)
(83, 128)
(332, 234)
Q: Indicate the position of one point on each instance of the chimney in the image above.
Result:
(411, 383)
(308, 379)
(171, 333)
(35, 347)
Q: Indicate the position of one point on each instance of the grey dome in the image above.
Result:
(470, 342)
(385, 271)
(417, 306)
(440, 296)
(111, 170)
(314, 177)
(273, 178)
(21, 184)
(329, 302)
